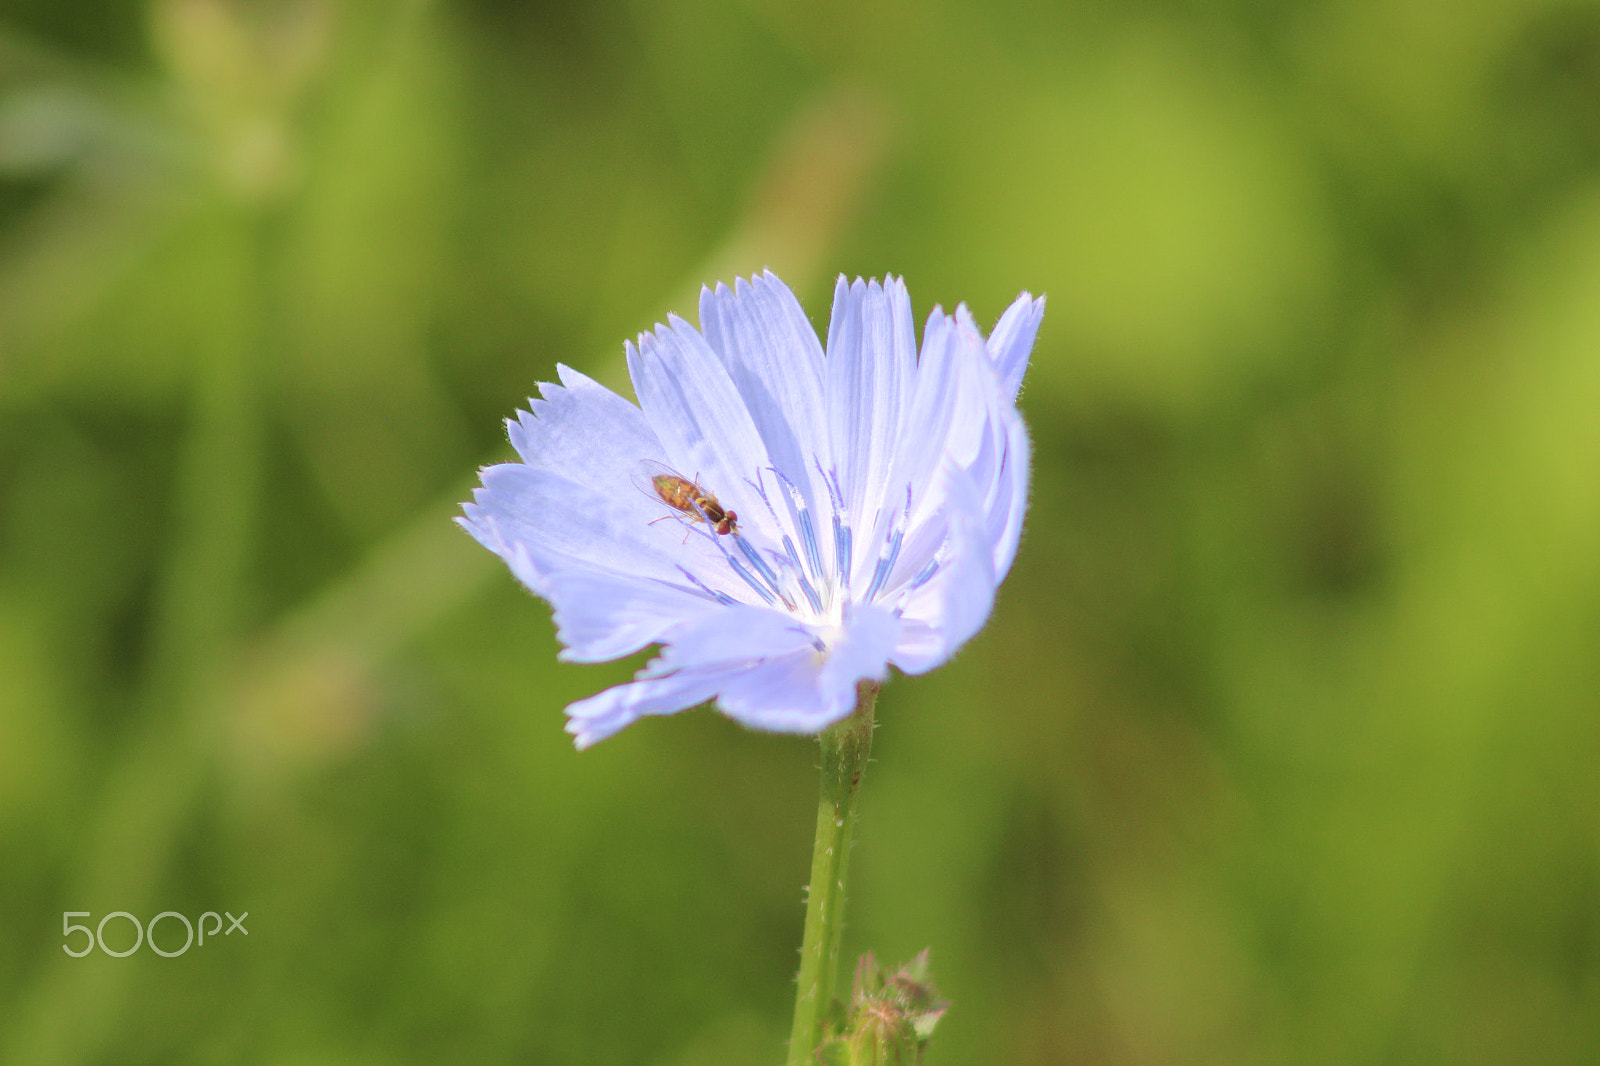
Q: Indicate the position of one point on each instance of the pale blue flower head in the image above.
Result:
(873, 498)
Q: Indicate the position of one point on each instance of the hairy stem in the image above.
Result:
(844, 758)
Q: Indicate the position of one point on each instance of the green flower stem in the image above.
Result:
(844, 759)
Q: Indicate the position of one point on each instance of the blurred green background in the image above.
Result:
(1281, 746)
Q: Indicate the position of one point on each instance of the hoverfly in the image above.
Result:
(688, 497)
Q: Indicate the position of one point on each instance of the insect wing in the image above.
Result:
(666, 486)
(644, 477)
(684, 495)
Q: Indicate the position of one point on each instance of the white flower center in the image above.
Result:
(799, 573)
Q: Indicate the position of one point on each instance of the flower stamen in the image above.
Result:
(800, 574)
(762, 568)
(749, 579)
(886, 561)
(841, 550)
(721, 597)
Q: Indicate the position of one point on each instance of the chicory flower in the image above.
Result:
(784, 520)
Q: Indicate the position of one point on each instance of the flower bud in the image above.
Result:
(890, 1018)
